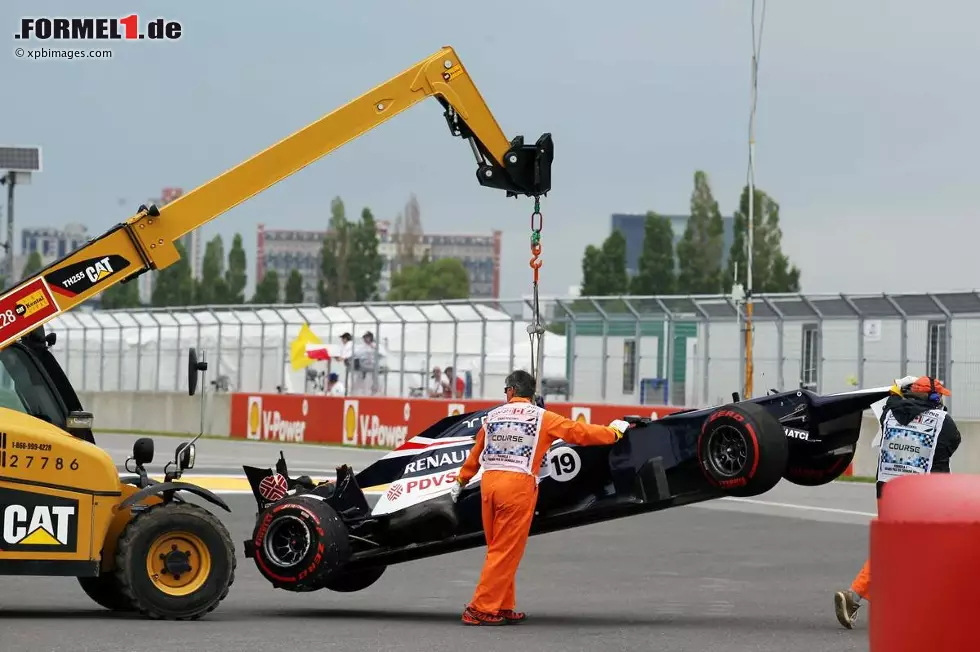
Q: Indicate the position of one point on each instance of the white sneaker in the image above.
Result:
(846, 605)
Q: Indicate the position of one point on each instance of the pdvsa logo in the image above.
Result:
(37, 523)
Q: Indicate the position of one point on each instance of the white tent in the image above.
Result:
(248, 347)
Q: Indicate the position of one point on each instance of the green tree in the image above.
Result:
(174, 285)
(431, 280)
(294, 287)
(771, 268)
(334, 285)
(604, 269)
(235, 276)
(364, 263)
(267, 290)
(121, 295)
(656, 275)
(351, 264)
(699, 253)
(212, 288)
(33, 265)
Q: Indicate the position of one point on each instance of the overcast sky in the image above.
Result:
(867, 121)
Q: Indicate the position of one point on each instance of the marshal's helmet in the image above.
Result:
(928, 387)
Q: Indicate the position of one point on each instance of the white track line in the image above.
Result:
(832, 510)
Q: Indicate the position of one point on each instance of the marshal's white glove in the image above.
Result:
(619, 426)
(456, 489)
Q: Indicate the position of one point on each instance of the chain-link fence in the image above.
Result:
(609, 349)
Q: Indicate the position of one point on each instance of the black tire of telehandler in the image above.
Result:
(353, 581)
(106, 592)
(147, 528)
(748, 431)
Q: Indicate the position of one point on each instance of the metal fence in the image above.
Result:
(609, 349)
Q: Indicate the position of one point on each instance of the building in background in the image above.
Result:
(632, 228)
(51, 243)
(190, 241)
(287, 249)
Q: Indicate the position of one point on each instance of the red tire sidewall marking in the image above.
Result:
(740, 418)
(260, 537)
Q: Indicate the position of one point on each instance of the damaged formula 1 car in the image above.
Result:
(312, 536)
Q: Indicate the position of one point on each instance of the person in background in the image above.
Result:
(510, 448)
(334, 386)
(455, 384)
(347, 352)
(917, 436)
(439, 386)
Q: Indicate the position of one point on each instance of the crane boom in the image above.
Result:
(146, 240)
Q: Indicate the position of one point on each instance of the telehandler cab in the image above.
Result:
(134, 543)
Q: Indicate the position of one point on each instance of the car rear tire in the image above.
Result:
(106, 592)
(300, 543)
(175, 561)
(813, 472)
(352, 581)
(742, 449)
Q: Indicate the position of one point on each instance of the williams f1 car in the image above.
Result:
(311, 536)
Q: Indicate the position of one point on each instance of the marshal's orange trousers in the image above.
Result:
(508, 507)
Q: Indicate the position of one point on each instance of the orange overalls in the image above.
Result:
(520, 434)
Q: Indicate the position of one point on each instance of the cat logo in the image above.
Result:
(455, 409)
(99, 270)
(582, 414)
(31, 304)
(35, 523)
(76, 278)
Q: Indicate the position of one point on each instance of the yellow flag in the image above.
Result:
(297, 349)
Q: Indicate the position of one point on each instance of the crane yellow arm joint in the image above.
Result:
(146, 240)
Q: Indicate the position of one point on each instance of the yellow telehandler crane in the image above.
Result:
(133, 542)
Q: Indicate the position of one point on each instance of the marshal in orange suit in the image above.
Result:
(510, 447)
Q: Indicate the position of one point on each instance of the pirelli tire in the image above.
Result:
(300, 544)
(353, 580)
(175, 561)
(742, 449)
(810, 471)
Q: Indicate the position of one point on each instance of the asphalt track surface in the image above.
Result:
(728, 576)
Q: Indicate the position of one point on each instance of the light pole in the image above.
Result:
(18, 163)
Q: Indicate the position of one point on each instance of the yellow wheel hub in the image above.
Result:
(178, 563)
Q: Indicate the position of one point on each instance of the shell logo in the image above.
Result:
(581, 414)
(456, 408)
(253, 427)
(350, 422)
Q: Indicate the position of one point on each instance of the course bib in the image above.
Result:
(512, 432)
(909, 449)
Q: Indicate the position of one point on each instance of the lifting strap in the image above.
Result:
(535, 329)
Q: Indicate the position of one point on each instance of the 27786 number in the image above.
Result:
(42, 462)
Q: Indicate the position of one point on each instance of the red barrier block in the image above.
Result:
(925, 565)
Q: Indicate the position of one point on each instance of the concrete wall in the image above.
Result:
(158, 411)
